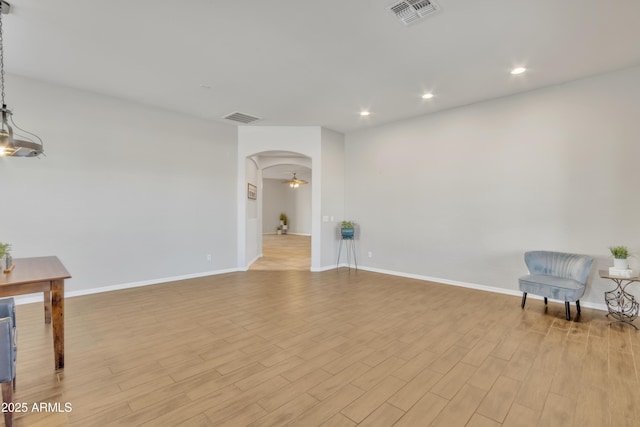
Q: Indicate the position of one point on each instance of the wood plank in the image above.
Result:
(455, 379)
(521, 416)
(338, 420)
(372, 399)
(413, 391)
(486, 375)
(339, 380)
(423, 412)
(329, 407)
(280, 397)
(478, 420)
(534, 390)
(385, 416)
(286, 413)
(376, 374)
(461, 408)
(499, 399)
(558, 411)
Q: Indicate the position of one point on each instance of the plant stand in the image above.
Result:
(621, 305)
(350, 249)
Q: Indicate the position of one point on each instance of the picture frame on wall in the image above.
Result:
(252, 191)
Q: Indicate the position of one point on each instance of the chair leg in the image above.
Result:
(578, 306)
(7, 398)
(568, 310)
(524, 298)
(545, 300)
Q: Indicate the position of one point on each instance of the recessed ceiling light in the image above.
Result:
(364, 113)
(518, 70)
(427, 96)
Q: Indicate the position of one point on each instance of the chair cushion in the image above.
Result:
(554, 287)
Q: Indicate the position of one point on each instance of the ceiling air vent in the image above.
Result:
(241, 118)
(410, 11)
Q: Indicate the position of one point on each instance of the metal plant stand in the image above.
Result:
(350, 249)
(621, 305)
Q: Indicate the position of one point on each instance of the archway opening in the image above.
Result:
(279, 219)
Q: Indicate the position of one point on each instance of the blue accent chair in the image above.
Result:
(8, 353)
(556, 275)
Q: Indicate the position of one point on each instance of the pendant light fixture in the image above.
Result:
(295, 182)
(20, 143)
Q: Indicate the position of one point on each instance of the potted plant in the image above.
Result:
(620, 255)
(346, 229)
(284, 222)
(5, 255)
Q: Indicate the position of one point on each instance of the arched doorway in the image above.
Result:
(318, 146)
(278, 166)
(285, 246)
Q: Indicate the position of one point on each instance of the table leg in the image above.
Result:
(47, 307)
(7, 399)
(57, 307)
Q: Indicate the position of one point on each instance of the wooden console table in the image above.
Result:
(622, 305)
(46, 275)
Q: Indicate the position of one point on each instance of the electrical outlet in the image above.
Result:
(370, 254)
(209, 257)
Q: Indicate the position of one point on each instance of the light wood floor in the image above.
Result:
(284, 252)
(271, 348)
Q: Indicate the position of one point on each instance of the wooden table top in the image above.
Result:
(38, 269)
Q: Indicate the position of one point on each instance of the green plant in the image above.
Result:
(5, 249)
(346, 224)
(283, 218)
(619, 252)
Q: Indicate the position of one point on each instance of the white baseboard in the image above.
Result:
(512, 292)
(285, 234)
(325, 268)
(31, 298)
(250, 263)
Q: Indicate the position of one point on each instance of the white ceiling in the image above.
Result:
(297, 62)
(285, 172)
(281, 165)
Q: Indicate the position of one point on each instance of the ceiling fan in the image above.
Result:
(295, 182)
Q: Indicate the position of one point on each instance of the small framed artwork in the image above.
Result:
(252, 191)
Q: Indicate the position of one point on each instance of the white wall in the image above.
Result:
(254, 221)
(333, 185)
(301, 209)
(126, 193)
(296, 203)
(275, 201)
(462, 194)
